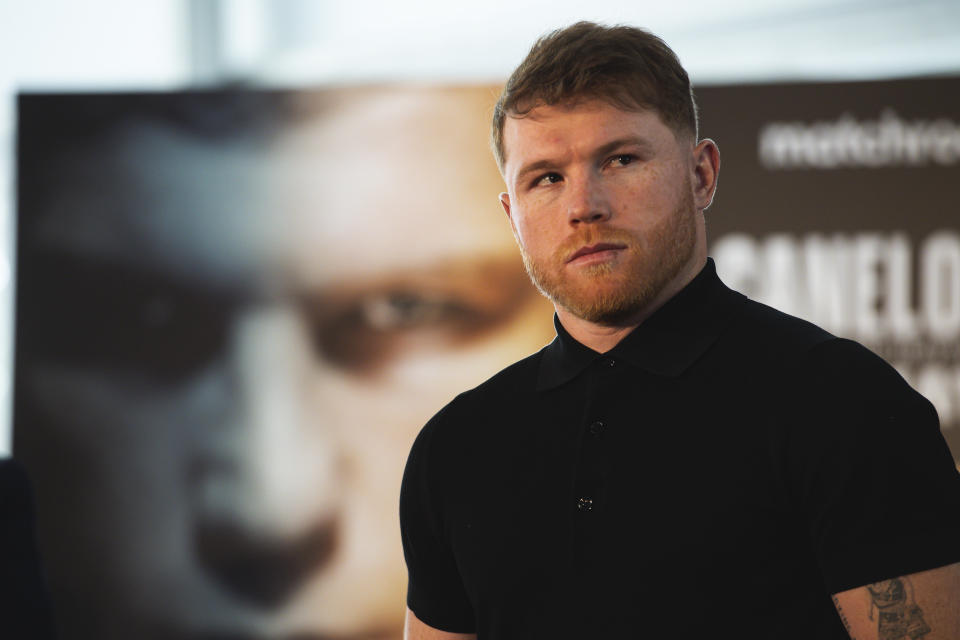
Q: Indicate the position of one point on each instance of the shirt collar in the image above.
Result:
(665, 344)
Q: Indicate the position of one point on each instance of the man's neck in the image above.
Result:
(603, 337)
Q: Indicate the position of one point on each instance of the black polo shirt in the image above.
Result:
(718, 473)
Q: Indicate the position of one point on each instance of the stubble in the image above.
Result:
(610, 294)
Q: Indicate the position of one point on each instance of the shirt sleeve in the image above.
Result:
(435, 590)
(877, 485)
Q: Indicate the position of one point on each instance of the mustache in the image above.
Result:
(591, 236)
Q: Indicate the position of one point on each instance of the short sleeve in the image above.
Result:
(877, 485)
(435, 590)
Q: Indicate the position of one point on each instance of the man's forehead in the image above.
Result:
(410, 181)
(380, 180)
(586, 122)
(569, 110)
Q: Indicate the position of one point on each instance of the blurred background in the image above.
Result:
(110, 45)
(259, 245)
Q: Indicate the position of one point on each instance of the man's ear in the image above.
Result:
(505, 203)
(706, 172)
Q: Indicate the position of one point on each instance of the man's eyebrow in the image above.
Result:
(467, 275)
(535, 167)
(637, 141)
(541, 165)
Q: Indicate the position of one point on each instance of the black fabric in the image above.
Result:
(25, 609)
(720, 472)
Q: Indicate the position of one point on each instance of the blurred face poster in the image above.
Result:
(236, 309)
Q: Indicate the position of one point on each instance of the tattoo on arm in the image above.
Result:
(843, 617)
(898, 615)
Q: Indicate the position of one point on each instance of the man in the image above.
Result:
(680, 462)
(236, 310)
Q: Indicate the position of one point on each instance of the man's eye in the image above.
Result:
(121, 320)
(548, 178)
(404, 310)
(622, 159)
(367, 333)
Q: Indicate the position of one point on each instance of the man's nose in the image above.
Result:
(266, 481)
(586, 199)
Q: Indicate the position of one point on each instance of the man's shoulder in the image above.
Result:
(459, 429)
(811, 357)
(496, 394)
(511, 382)
(771, 328)
(766, 339)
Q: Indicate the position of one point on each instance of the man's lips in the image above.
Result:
(595, 248)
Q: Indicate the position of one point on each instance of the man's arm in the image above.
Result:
(921, 605)
(415, 629)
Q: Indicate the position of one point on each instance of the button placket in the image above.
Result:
(591, 468)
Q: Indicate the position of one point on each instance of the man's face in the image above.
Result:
(272, 324)
(602, 203)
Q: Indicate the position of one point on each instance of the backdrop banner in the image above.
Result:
(836, 204)
(236, 309)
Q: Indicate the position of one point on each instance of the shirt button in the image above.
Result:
(610, 362)
(596, 428)
(584, 504)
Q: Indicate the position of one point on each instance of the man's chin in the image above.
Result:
(607, 315)
(308, 635)
(243, 623)
(604, 305)
(240, 633)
